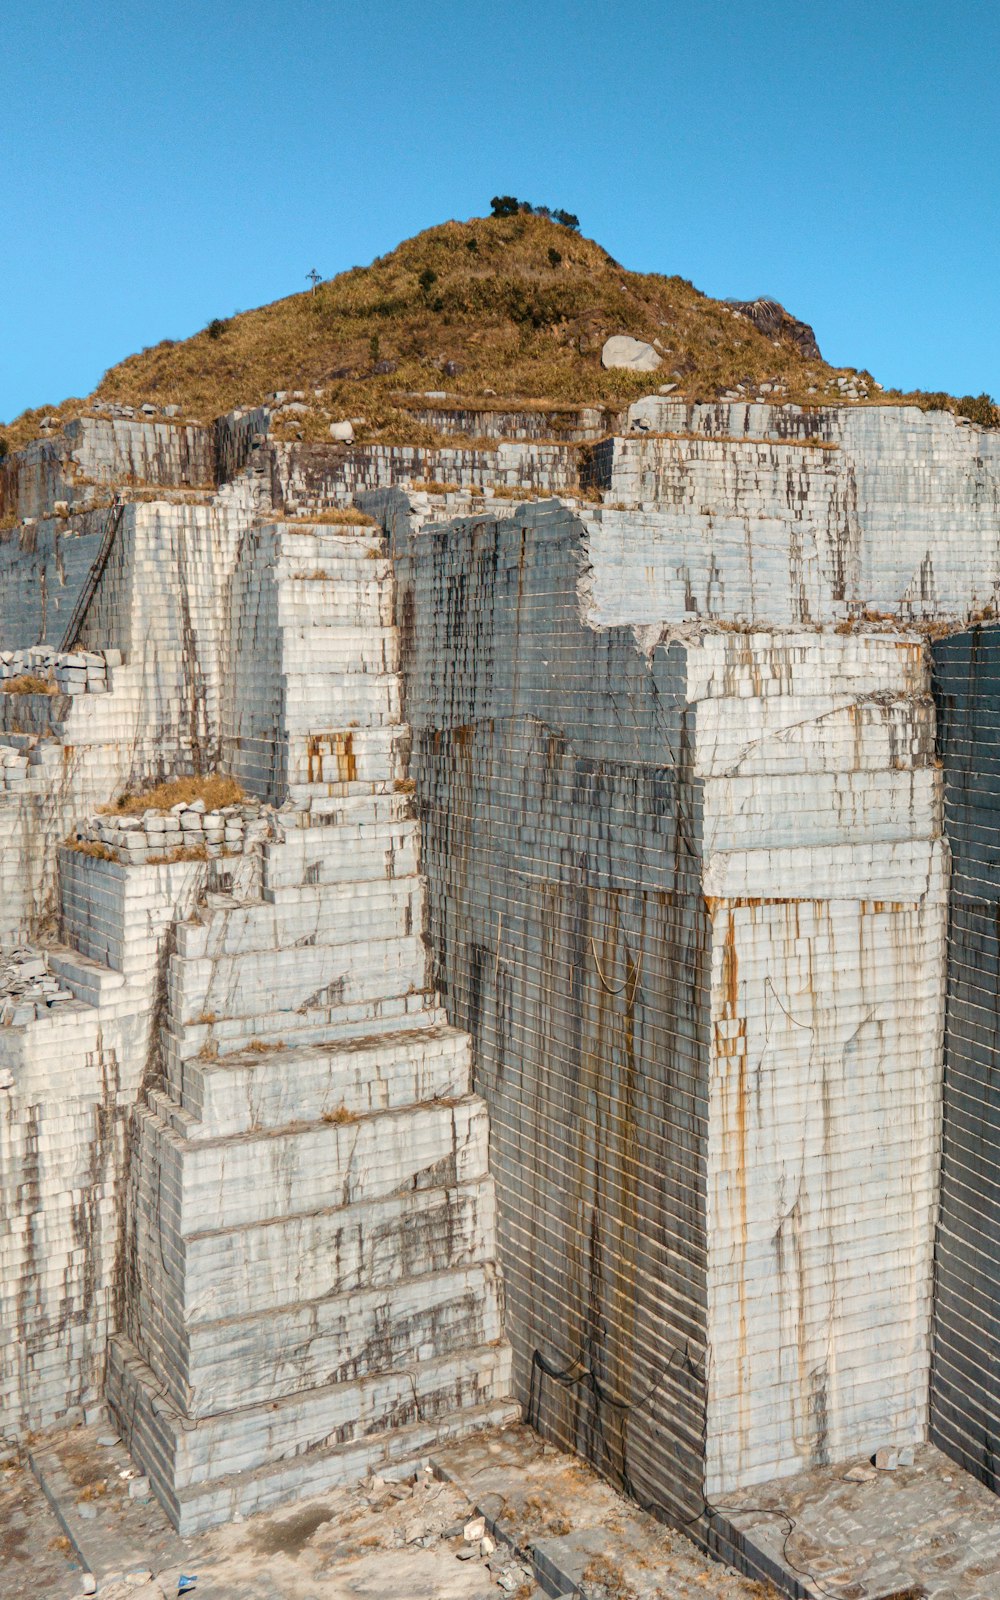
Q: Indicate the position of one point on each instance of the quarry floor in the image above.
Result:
(928, 1530)
(373, 1541)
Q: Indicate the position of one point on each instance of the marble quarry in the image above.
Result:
(590, 1006)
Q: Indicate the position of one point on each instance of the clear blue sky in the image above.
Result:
(163, 164)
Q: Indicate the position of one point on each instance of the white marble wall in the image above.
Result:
(826, 876)
(79, 463)
(68, 1082)
(751, 514)
(822, 864)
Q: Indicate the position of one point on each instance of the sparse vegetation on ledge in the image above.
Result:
(27, 683)
(90, 847)
(336, 517)
(340, 1116)
(181, 852)
(215, 790)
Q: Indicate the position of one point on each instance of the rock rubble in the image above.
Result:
(27, 988)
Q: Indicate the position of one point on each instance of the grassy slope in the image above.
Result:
(488, 294)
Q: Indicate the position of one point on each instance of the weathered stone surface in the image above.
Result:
(687, 867)
(272, 1129)
(772, 319)
(191, 972)
(633, 354)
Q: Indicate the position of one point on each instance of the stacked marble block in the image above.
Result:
(790, 518)
(187, 828)
(69, 672)
(59, 1160)
(80, 462)
(310, 477)
(313, 1290)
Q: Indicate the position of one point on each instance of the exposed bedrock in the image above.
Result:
(691, 907)
(580, 985)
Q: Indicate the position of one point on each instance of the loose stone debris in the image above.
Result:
(501, 1515)
(28, 989)
(919, 1528)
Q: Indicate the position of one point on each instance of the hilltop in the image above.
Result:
(497, 309)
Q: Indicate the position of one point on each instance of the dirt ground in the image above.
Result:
(480, 1522)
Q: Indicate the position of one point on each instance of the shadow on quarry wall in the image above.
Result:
(43, 568)
(965, 1394)
(561, 839)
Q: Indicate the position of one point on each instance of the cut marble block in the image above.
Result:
(224, 1366)
(335, 1250)
(258, 1177)
(348, 852)
(326, 1024)
(305, 919)
(827, 878)
(206, 1472)
(237, 1094)
(296, 979)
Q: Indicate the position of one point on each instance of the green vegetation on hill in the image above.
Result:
(509, 308)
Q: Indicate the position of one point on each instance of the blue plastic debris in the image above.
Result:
(185, 1584)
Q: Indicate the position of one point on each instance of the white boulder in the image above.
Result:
(344, 431)
(633, 354)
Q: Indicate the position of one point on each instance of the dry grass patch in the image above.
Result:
(503, 491)
(27, 683)
(91, 847)
(609, 1578)
(181, 852)
(434, 486)
(214, 789)
(340, 1116)
(500, 313)
(336, 517)
(263, 1047)
(538, 1516)
(156, 493)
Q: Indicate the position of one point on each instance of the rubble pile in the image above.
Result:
(27, 988)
